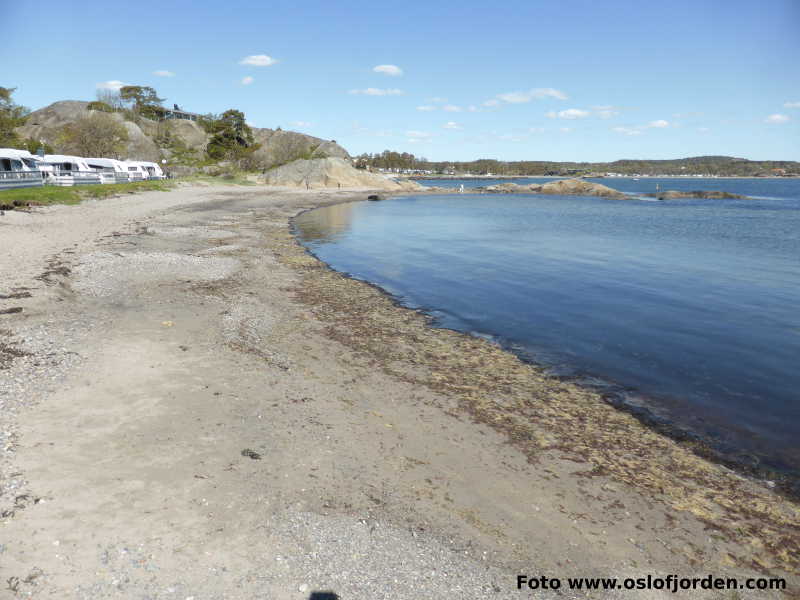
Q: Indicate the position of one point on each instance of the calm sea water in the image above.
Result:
(687, 310)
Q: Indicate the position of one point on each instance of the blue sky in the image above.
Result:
(567, 80)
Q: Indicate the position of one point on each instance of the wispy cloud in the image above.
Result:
(426, 108)
(247, 80)
(391, 70)
(777, 118)
(472, 108)
(491, 103)
(565, 129)
(113, 85)
(703, 129)
(258, 60)
(437, 100)
(660, 124)
(534, 94)
(451, 125)
(627, 130)
(570, 113)
(791, 104)
(451, 108)
(377, 92)
(164, 73)
(414, 136)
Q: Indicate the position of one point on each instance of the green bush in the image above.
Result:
(101, 106)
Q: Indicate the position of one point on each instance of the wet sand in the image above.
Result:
(192, 406)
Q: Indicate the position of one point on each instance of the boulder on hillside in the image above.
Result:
(332, 172)
(280, 147)
(46, 123)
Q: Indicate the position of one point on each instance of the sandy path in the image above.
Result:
(186, 426)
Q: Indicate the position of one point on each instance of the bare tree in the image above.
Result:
(110, 97)
(98, 134)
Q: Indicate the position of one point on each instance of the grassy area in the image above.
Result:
(236, 178)
(43, 196)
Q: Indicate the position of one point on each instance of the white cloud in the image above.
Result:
(565, 129)
(776, 118)
(536, 93)
(377, 92)
(113, 85)
(391, 70)
(791, 104)
(437, 100)
(660, 124)
(451, 125)
(515, 97)
(303, 124)
(627, 130)
(570, 113)
(703, 129)
(247, 80)
(536, 130)
(472, 108)
(426, 108)
(258, 60)
(414, 136)
(164, 73)
(492, 102)
(451, 108)
(607, 113)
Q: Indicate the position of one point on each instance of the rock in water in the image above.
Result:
(563, 187)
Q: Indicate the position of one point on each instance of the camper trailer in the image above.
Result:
(136, 170)
(109, 169)
(153, 170)
(63, 170)
(18, 169)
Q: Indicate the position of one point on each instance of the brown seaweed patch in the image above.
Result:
(539, 414)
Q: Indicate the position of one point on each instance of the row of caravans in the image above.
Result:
(20, 168)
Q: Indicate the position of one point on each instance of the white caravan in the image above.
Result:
(109, 169)
(153, 170)
(64, 170)
(136, 170)
(18, 169)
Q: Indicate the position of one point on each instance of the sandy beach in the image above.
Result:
(193, 407)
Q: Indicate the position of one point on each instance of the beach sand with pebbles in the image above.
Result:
(192, 406)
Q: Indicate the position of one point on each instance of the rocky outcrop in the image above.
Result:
(332, 172)
(46, 124)
(707, 194)
(277, 146)
(579, 187)
(563, 187)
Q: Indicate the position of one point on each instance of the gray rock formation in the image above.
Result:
(280, 147)
(711, 195)
(332, 172)
(277, 146)
(562, 187)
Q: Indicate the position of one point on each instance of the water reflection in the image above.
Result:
(325, 225)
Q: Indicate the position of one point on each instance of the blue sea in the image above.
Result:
(686, 312)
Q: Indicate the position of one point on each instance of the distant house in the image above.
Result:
(176, 113)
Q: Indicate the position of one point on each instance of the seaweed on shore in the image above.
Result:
(542, 415)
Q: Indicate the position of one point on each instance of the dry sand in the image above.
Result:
(193, 407)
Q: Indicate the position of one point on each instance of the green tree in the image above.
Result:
(231, 137)
(143, 100)
(12, 115)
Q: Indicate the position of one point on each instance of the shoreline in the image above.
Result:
(198, 315)
(610, 392)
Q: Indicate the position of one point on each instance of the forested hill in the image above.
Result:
(698, 165)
